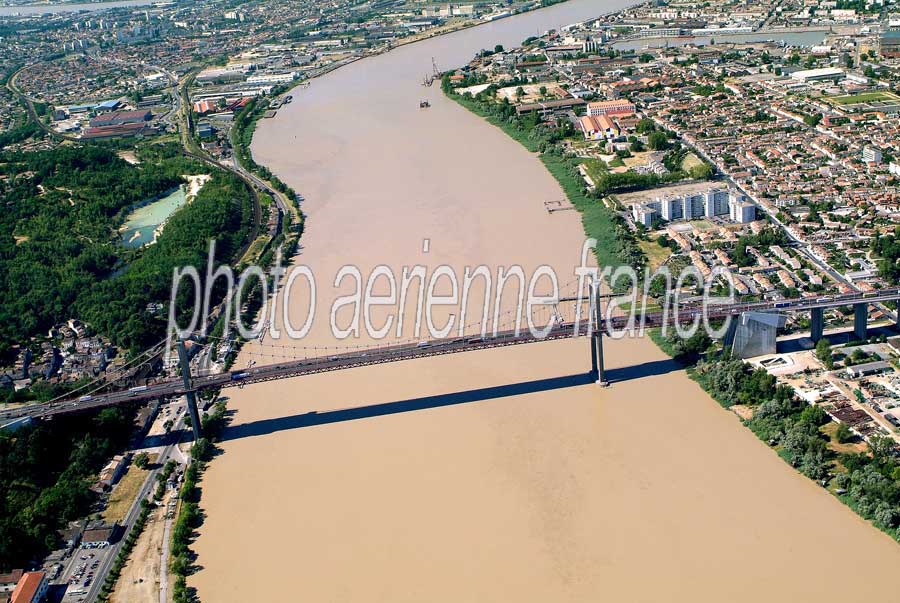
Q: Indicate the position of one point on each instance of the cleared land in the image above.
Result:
(123, 494)
(854, 446)
(690, 161)
(656, 255)
(139, 580)
(863, 97)
(673, 189)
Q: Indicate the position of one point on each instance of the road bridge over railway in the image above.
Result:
(593, 327)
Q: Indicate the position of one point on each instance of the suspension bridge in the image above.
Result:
(593, 326)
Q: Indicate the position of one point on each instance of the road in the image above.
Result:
(284, 204)
(128, 523)
(394, 353)
(181, 108)
(799, 244)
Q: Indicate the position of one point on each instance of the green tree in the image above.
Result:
(843, 434)
(645, 126)
(823, 353)
(881, 446)
(658, 141)
(701, 172)
(141, 460)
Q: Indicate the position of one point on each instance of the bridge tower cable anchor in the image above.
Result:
(189, 390)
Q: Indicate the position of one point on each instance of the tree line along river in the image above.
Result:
(530, 485)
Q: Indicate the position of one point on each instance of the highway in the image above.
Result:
(409, 351)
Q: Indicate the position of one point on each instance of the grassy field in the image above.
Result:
(830, 430)
(656, 255)
(595, 168)
(702, 225)
(863, 97)
(123, 494)
(690, 161)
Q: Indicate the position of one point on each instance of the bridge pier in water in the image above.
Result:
(860, 320)
(190, 395)
(597, 368)
(817, 324)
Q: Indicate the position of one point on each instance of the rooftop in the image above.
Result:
(27, 587)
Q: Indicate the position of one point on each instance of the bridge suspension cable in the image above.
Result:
(106, 379)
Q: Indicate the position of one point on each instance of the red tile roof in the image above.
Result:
(27, 588)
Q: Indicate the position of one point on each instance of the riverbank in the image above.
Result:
(792, 427)
(615, 245)
(530, 465)
(802, 435)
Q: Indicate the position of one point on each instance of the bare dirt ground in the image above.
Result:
(744, 412)
(139, 582)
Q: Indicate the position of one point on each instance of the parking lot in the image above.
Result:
(81, 571)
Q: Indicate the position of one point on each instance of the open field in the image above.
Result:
(690, 161)
(673, 189)
(855, 446)
(703, 225)
(123, 494)
(595, 168)
(656, 255)
(864, 97)
(139, 581)
(638, 159)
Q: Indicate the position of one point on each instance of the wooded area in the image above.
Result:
(60, 250)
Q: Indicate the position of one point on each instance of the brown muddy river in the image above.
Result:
(503, 476)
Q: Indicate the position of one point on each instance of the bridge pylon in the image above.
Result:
(597, 366)
(188, 388)
(817, 324)
(860, 321)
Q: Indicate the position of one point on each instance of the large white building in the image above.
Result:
(273, 78)
(692, 206)
(817, 75)
(871, 155)
(740, 210)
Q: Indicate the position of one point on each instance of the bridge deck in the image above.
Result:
(396, 353)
